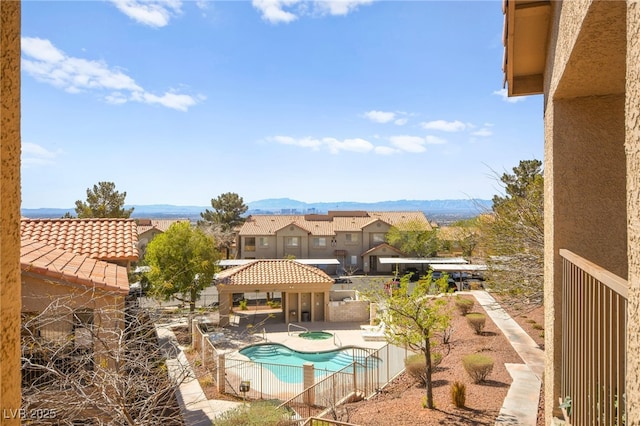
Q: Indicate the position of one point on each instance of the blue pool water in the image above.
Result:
(275, 357)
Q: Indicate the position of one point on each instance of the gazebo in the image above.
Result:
(305, 289)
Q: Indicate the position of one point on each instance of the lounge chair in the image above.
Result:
(374, 333)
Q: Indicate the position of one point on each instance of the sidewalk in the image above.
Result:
(520, 406)
(196, 409)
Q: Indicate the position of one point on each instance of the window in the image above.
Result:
(319, 242)
(378, 238)
(293, 241)
(250, 244)
(263, 242)
(82, 330)
(351, 238)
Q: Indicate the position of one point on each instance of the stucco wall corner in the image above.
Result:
(10, 211)
(632, 148)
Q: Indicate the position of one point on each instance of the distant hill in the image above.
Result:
(433, 209)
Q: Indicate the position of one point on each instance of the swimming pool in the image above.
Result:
(274, 356)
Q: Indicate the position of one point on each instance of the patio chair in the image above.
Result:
(376, 333)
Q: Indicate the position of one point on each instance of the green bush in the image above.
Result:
(458, 394)
(416, 367)
(464, 304)
(476, 321)
(255, 414)
(478, 366)
(243, 305)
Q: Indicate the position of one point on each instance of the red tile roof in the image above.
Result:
(46, 260)
(270, 272)
(104, 239)
(161, 225)
(324, 225)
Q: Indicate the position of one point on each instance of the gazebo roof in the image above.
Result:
(275, 272)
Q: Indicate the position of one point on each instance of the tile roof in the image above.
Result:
(324, 225)
(383, 247)
(274, 271)
(161, 225)
(104, 239)
(49, 261)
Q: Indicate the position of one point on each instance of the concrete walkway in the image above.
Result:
(196, 409)
(520, 406)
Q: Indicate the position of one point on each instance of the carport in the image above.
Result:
(442, 264)
(305, 288)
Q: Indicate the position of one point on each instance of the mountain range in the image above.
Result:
(431, 208)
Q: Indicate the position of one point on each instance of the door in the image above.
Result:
(373, 263)
(318, 307)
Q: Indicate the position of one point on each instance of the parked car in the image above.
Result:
(415, 274)
(136, 290)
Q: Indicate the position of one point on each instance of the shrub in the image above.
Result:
(416, 366)
(475, 285)
(476, 321)
(243, 305)
(464, 304)
(257, 413)
(458, 394)
(478, 366)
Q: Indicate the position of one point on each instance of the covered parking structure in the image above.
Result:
(305, 288)
(449, 265)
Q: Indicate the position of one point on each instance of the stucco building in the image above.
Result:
(355, 238)
(584, 57)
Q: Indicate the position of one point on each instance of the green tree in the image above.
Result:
(227, 212)
(413, 317)
(103, 201)
(183, 262)
(222, 221)
(466, 234)
(514, 234)
(414, 238)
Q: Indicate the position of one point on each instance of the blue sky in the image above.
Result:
(177, 102)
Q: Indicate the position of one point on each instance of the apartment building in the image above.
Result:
(355, 238)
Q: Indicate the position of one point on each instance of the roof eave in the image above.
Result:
(526, 30)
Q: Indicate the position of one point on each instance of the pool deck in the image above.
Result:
(344, 334)
(519, 407)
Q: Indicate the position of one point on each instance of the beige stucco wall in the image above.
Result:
(585, 172)
(10, 208)
(59, 299)
(349, 311)
(633, 186)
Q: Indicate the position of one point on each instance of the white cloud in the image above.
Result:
(304, 142)
(277, 11)
(386, 117)
(434, 140)
(380, 116)
(385, 150)
(44, 62)
(504, 94)
(340, 7)
(484, 132)
(273, 10)
(154, 13)
(34, 154)
(444, 126)
(408, 143)
(354, 145)
(202, 4)
(332, 144)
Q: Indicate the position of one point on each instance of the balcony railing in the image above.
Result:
(594, 323)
